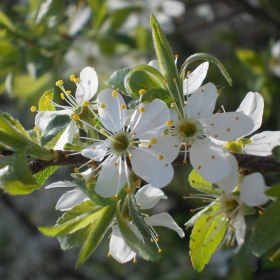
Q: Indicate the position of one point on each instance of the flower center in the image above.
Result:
(229, 205)
(119, 143)
(188, 129)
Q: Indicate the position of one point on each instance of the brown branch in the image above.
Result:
(255, 163)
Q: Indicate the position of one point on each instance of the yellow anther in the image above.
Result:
(59, 83)
(109, 255)
(172, 105)
(134, 261)
(75, 117)
(128, 190)
(66, 155)
(76, 170)
(47, 102)
(68, 92)
(130, 157)
(102, 130)
(92, 161)
(33, 108)
(116, 198)
(149, 146)
(72, 77)
(142, 91)
(176, 55)
(160, 251)
(184, 161)
(114, 93)
(157, 240)
(134, 133)
(123, 106)
(169, 123)
(160, 157)
(86, 103)
(115, 164)
(77, 80)
(189, 72)
(219, 91)
(102, 105)
(142, 110)
(132, 143)
(153, 141)
(76, 136)
(175, 80)
(36, 129)
(62, 96)
(165, 81)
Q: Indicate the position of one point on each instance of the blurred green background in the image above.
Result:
(43, 41)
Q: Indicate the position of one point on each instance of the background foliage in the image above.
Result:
(43, 41)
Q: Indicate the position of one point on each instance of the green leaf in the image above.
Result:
(143, 77)
(6, 22)
(158, 93)
(74, 239)
(15, 176)
(197, 216)
(13, 137)
(116, 80)
(45, 102)
(43, 175)
(137, 218)
(274, 191)
(205, 57)
(135, 244)
(166, 62)
(252, 60)
(74, 219)
(88, 189)
(198, 183)
(98, 230)
(206, 235)
(266, 231)
(55, 126)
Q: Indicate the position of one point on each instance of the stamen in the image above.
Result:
(33, 108)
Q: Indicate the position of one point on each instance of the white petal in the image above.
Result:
(202, 102)
(209, 160)
(263, 143)
(252, 190)
(228, 126)
(195, 79)
(111, 178)
(173, 8)
(43, 118)
(167, 145)
(229, 183)
(252, 106)
(88, 85)
(111, 116)
(61, 184)
(96, 151)
(164, 220)
(173, 115)
(147, 197)
(145, 164)
(240, 230)
(118, 248)
(85, 174)
(66, 137)
(150, 123)
(71, 199)
(154, 63)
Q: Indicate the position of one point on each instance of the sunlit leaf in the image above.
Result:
(207, 234)
(43, 175)
(45, 102)
(116, 80)
(198, 183)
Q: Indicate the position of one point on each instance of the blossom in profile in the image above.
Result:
(122, 148)
(87, 86)
(146, 198)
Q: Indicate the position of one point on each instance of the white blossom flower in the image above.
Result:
(198, 124)
(233, 202)
(274, 62)
(87, 86)
(146, 198)
(147, 122)
(260, 144)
